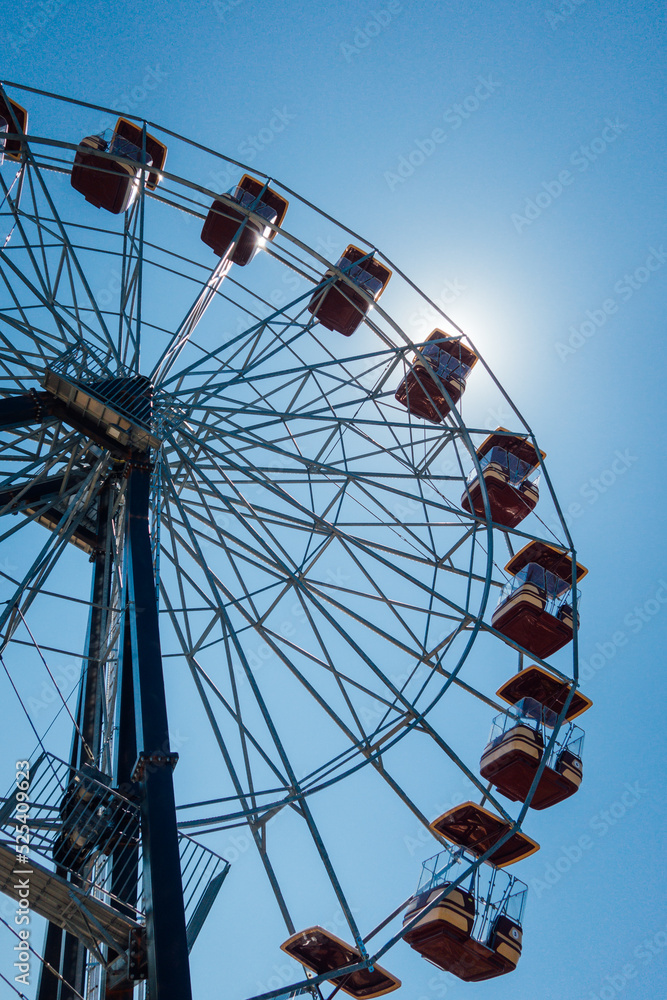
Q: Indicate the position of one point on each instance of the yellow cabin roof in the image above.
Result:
(476, 829)
(551, 557)
(535, 682)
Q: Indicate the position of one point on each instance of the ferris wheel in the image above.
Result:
(272, 522)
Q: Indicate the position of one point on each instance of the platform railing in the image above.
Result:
(89, 367)
(83, 829)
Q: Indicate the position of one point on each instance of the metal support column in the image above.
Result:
(168, 968)
(91, 694)
(66, 952)
(125, 858)
(47, 987)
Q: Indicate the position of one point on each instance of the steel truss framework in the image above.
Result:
(297, 534)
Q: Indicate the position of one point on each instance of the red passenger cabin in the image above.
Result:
(243, 220)
(338, 305)
(15, 120)
(535, 608)
(506, 461)
(472, 930)
(113, 184)
(437, 378)
(517, 747)
(456, 909)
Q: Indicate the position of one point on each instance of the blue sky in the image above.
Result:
(511, 160)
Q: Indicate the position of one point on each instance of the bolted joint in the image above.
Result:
(129, 967)
(137, 958)
(147, 762)
(39, 401)
(137, 462)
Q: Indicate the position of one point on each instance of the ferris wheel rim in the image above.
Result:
(459, 430)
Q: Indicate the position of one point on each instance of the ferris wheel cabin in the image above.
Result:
(517, 747)
(110, 183)
(535, 607)
(518, 740)
(437, 378)
(242, 220)
(15, 119)
(338, 305)
(321, 951)
(455, 909)
(473, 929)
(506, 462)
